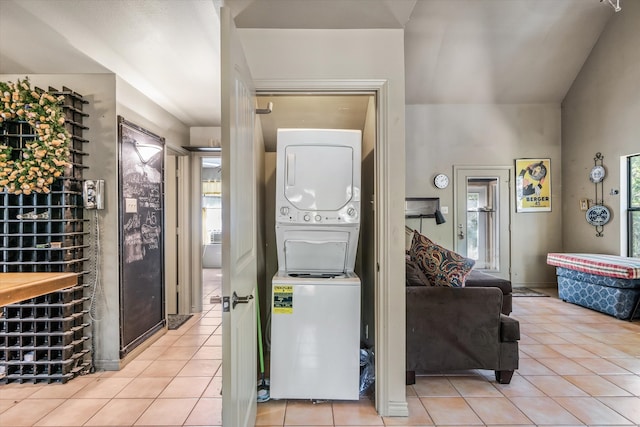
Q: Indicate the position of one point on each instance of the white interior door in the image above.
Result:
(239, 225)
(482, 218)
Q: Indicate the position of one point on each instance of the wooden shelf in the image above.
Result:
(16, 287)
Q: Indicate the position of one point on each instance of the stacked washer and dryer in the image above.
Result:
(315, 325)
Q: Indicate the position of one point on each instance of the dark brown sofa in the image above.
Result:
(477, 279)
(452, 329)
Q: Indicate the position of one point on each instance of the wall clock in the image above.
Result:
(597, 174)
(598, 215)
(441, 181)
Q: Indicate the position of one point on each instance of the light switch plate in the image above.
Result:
(131, 205)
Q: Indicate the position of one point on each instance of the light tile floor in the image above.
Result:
(577, 367)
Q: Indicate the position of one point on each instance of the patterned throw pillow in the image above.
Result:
(441, 266)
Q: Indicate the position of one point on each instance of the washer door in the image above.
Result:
(315, 256)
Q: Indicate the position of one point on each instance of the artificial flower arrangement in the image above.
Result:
(42, 159)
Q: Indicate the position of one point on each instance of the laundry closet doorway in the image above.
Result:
(324, 110)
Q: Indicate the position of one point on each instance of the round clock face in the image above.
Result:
(598, 215)
(441, 180)
(597, 174)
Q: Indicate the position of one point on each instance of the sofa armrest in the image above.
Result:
(509, 329)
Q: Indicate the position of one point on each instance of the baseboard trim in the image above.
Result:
(398, 409)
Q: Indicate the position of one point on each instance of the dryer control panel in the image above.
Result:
(350, 214)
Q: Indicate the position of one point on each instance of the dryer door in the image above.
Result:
(318, 178)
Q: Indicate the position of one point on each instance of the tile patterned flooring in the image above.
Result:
(577, 367)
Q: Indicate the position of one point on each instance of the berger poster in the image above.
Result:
(533, 185)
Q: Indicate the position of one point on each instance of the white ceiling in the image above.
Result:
(456, 51)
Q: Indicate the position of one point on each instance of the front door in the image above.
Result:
(239, 224)
(482, 224)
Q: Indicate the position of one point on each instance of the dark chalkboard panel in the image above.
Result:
(141, 234)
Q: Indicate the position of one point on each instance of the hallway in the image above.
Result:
(577, 367)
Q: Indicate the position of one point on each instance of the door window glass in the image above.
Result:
(483, 228)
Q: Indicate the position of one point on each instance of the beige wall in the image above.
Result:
(441, 136)
(601, 113)
(275, 54)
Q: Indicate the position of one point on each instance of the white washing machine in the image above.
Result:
(315, 306)
(315, 337)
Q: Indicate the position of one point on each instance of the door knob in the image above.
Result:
(460, 232)
(235, 299)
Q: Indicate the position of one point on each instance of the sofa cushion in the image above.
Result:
(414, 275)
(441, 266)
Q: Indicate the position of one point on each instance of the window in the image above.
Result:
(483, 238)
(633, 203)
(472, 224)
(211, 200)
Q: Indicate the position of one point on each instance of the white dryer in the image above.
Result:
(318, 199)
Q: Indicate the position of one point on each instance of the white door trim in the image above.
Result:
(384, 368)
(183, 238)
(195, 190)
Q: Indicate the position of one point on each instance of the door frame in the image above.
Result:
(182, 222)
(384, 232)
(457, 169)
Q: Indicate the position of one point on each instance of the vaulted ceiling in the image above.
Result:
(456, 51)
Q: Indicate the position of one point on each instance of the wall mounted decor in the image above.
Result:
(441, 181)
(533, 185)
(141, 239)
(598, 214)
(34, 150)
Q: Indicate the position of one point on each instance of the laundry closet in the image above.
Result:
(320, 267)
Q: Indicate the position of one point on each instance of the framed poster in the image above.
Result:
(141, 171)
(533, 185)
